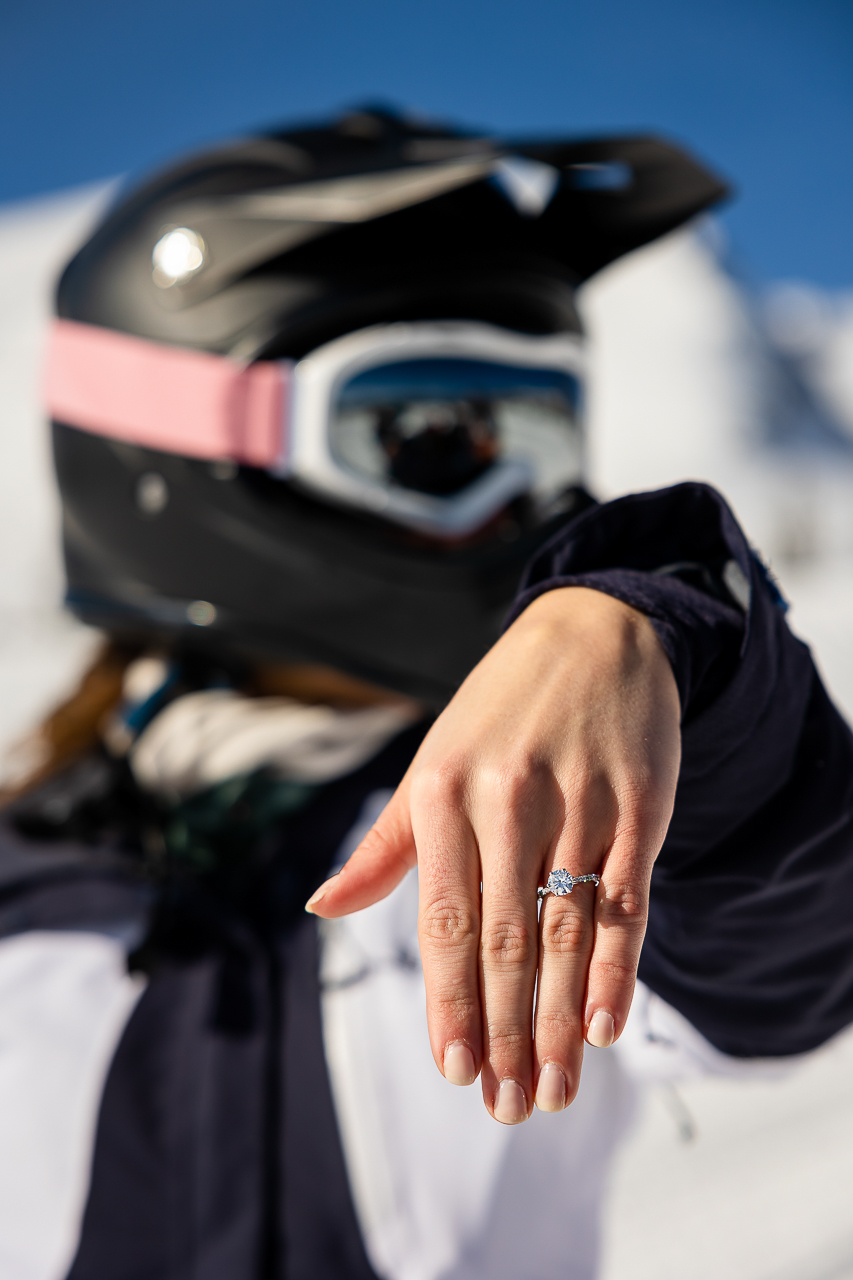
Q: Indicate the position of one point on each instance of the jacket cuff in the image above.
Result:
(677, 556)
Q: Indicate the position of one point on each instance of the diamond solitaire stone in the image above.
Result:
(560, 882)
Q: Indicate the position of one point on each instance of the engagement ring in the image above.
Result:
(560, 882)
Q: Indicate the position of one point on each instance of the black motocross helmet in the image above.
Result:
(256, 256)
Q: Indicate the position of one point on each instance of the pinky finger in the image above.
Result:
(621, 913)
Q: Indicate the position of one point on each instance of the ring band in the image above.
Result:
(560, 882)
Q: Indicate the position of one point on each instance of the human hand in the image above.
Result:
(561, 749)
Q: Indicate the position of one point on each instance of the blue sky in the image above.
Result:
(761, 88)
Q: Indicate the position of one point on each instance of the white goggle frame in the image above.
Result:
(320, 376)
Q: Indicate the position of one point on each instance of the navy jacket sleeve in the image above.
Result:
(750, 929)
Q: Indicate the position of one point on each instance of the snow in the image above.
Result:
(691, 378)
(687, 382)
(41, 648)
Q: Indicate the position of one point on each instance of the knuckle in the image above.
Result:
(455, 1007)
(377, 843)
(443, 783)
(557, 1026)
(635, 790)
(513, 783)
(507, 942)
(622, 904)
(643, 809)
(565, 932)
(507, 1043)
(448, 924)
(615, 973)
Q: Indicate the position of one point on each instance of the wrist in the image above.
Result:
(611, 636)
(583, 611)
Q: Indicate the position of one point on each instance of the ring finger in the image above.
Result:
(566, 937)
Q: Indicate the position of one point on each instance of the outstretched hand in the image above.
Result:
(561, 749)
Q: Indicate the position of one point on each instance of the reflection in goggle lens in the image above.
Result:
(436, 425)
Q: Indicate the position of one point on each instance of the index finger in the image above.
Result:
(449, 932)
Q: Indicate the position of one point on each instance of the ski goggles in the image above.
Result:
(437, 426)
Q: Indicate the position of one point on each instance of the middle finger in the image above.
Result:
(512, 850)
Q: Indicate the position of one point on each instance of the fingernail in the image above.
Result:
(510, 1104)
(459, 1064)
(601, 1030)
(551, 1090)
(316, 898)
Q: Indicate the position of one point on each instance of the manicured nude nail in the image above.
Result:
(316, 898)
(510, 1104)
(601, 1030)
(459, 1064)
(551, 1090)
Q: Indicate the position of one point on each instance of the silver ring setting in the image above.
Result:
(561, 882)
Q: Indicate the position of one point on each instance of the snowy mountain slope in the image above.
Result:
(689, 383)
(41, 649)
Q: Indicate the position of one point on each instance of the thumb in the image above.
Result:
(378, 865)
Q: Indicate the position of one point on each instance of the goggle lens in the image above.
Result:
(437, 425)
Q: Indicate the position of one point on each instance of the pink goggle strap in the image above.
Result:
(169, 398)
